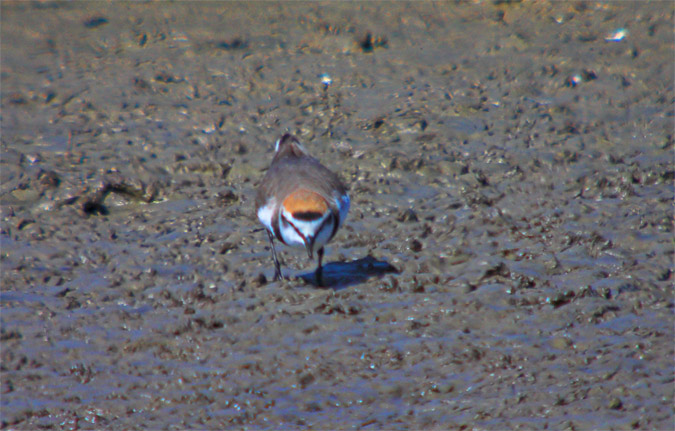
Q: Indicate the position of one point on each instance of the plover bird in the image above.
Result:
(300, 202)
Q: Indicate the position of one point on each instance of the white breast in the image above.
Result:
(343, 207)
(293, 232)
(266, 213)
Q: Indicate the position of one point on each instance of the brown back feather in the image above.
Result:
(292, 167)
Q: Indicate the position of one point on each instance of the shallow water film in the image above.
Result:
(507, 262)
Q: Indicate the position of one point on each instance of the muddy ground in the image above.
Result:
(512, 162)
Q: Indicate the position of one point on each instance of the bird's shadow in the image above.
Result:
(340, 275)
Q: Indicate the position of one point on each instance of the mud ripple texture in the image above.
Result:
(513, 161)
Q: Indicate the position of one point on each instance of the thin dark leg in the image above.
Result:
(319, 269)
(277, 267)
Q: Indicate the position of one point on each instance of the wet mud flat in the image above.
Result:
(512, 162)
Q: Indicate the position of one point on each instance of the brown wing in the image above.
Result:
(291, 172)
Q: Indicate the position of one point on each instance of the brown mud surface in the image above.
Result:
(513, 162)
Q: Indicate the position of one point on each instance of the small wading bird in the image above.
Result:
(300, 202)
